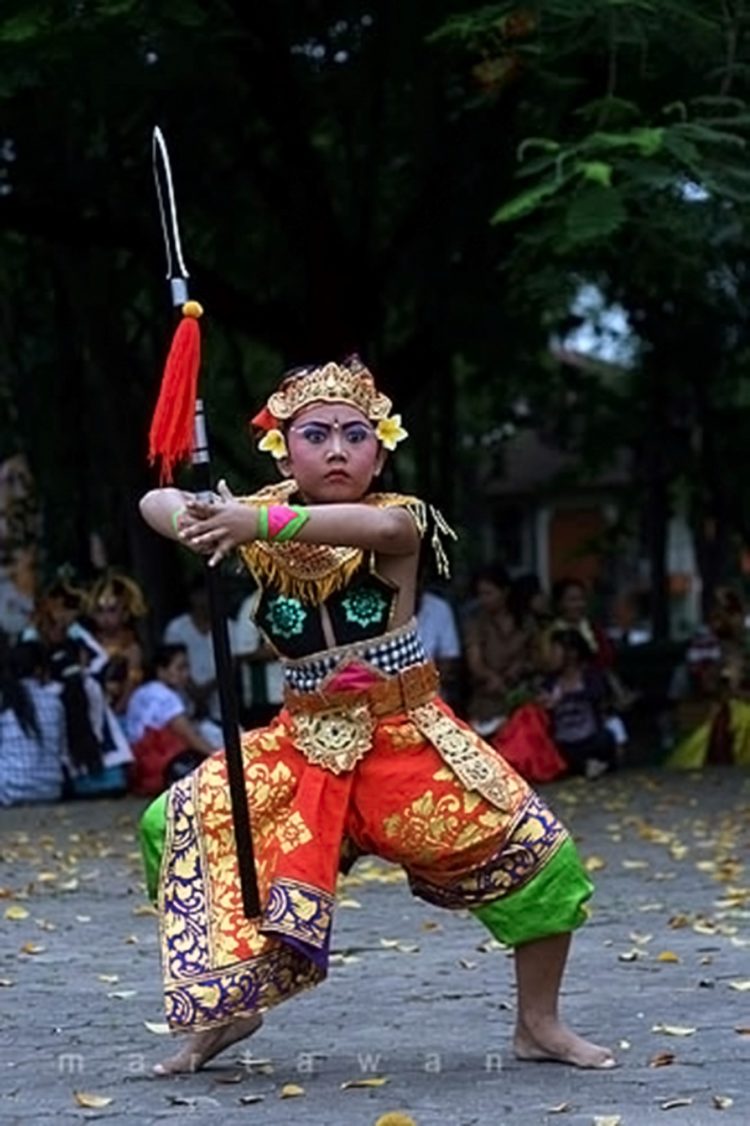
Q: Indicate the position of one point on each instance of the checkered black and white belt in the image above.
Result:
(390, 653)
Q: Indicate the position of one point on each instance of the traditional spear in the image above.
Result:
(178, 431)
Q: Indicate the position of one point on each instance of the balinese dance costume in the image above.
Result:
(364, 758)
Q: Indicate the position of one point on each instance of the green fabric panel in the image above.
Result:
(550, 903)
(152, 831)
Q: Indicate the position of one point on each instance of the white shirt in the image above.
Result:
(436, 625)
(152, 706)
(247, 640)
(200, 650)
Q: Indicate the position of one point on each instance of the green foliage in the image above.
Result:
(633, 176)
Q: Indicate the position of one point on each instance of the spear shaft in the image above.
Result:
(177, 276)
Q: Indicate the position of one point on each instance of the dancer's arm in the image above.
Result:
(216, 529)
(165, 510)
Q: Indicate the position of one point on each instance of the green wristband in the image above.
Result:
(178, 512)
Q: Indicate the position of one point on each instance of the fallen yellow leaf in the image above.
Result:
(349, 902)
(375, 1081)
(741, 986)
(560, 1108)
(16, 912)
(674, 1029)
(667, 956)
(109, 979)
(122, 994)
(722, 1102)
(157, 1027)
(672, 1104)
(395, 1118)
(595, 864)
(33, 948)
(291, 1091)
(607, 1120)
(662, 1059)
(145, 909)
(93, 1102)
(634, 864)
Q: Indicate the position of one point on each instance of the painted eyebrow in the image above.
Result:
(330, 425)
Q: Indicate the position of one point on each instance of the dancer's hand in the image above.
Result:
(218, 527)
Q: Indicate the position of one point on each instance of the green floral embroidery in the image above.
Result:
(286, 616)
(364, 607)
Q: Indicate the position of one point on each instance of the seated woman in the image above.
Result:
(712, 690)
(57, 619)
(576, 698)
(32, 729)
(116, 604)
(158, 727)
(500, 654)
(98, 752)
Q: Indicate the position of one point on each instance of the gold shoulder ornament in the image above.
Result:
(312, 572)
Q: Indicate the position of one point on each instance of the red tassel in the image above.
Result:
(171, 433)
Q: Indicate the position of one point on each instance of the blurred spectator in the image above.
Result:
(116, 604)
(498, 653)
(528, 602)
(436, 623)
(712, 689)
(260, 676)
(569, 598)
(32, 729)
(193, 630)
(98, 752)
(570, 603)
(157, 724)
(576, 697)
(57, 618)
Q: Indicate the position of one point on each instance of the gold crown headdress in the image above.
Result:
(350, 382)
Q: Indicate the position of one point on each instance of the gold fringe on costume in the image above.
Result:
(313, 572)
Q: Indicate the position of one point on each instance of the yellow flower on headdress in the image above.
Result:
(390, 431)
(274, 443)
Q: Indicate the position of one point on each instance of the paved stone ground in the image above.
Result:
(668, 947)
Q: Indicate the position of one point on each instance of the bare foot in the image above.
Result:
(203, 1046)
(551, 1040)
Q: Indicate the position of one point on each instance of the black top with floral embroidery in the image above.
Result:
(358, 612)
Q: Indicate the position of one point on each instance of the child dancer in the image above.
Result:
(364, 757)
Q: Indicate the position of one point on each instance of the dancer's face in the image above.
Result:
(334, 453)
